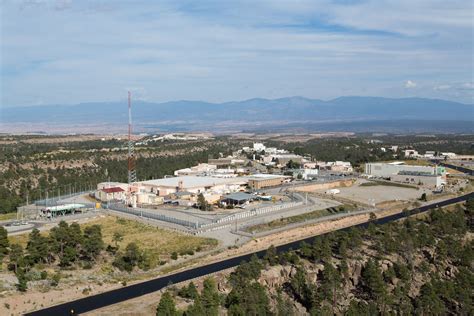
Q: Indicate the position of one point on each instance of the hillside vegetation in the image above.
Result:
(421, 266)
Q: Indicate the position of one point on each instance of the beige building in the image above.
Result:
(111, 191)
(260, 181)
(192, 184)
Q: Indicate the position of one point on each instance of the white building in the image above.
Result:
(198, 169)
(411, 153)
(448, 155)
(305, 173)
(429, 154)
(258, 147)
(397, 171)
(385, 170)
(193, 184)
(337, 166)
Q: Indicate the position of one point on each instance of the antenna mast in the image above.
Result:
(132, 174)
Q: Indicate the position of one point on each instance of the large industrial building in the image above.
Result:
(385, 170)
(193, 184)
(428, 176)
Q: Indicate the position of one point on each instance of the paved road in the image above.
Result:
(458, 168)
(119, 295)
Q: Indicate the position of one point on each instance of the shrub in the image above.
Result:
(44, 275)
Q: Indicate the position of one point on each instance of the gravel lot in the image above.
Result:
(380, 193)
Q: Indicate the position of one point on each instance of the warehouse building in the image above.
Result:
(386, 170)
(260, 181)
(428, 176)
(193, 184)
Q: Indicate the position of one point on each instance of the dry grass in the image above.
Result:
(159, 243)
(21, 239)
(7, 216)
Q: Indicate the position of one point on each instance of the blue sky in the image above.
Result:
(65, 52)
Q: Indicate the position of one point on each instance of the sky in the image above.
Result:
(68, 52)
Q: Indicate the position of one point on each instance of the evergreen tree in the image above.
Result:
(59, 236)
(167, 306)
(210, 297)
(429, 302)
(4, 243)
(93, 243)
(330, 285)
(202, 203)
(271, 256)
(118, 237)
(129, 259)
(284, 306)
(189, 291)
(16, 257)
(196, 309)
(22, 284)
(374, 281)
(37, 247)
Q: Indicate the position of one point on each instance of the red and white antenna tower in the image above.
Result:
(132, 174)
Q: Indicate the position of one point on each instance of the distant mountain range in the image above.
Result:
(245, 114)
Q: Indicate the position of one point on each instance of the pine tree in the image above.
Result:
(37, 247)
(16, 257)
(210, 297)
(330, 285)
(374, 281)
(22, 284)
(167, 306)
(4, 243)
(271, 256)
(93, 243)
(197, 309)
(59, 236)
(118, 237)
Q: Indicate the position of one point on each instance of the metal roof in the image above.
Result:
(113, 190)
(188, 182)
(239, 196)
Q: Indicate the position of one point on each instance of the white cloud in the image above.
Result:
(442, 87)
(467, 86)
(410, 84)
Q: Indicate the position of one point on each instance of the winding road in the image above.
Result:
(132, 291)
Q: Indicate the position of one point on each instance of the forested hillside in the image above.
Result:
(422, 265)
